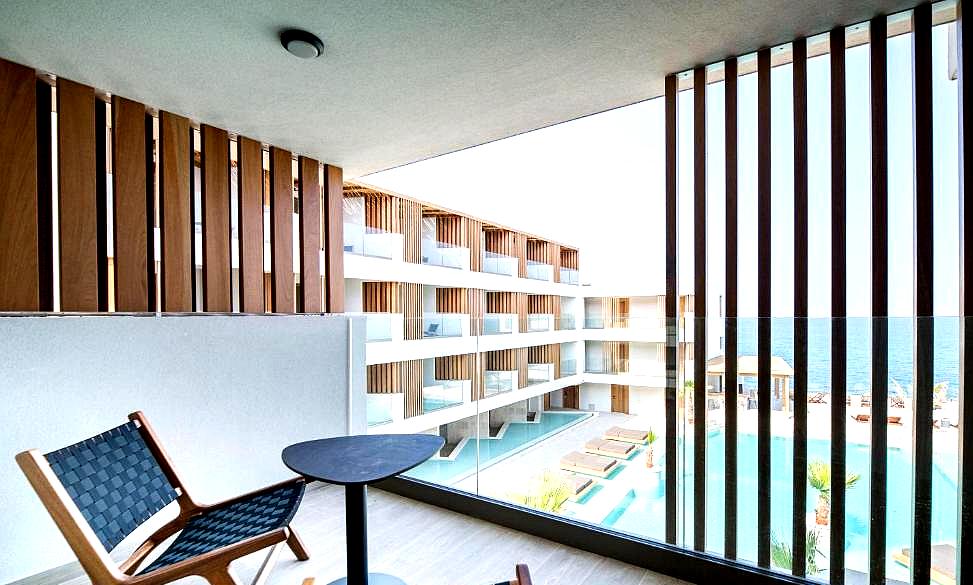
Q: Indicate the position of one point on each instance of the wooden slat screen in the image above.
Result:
(454, 367)
(412, 310)
(476, 303)
(381, 297)
(764, 282)
(569, 258)
(965, 484)
(175, 205)
(382, 212)
(77, 196)
(333, 239)
(474, 241)
(500, 241)
(131, 213)
(250, 224)
(215, 176)
(520, 245)
(543, 304)
(411, 379)
(281, 232)
(521, 367)
(501, 302)
(384, 378)
(410, 218)
(452, 300)
(309, 195)
(730, 324)
(556, 261)
(504, 360)
(19, 119)
(616, 355)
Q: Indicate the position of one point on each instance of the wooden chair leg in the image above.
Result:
(297, 547)
(224, 576)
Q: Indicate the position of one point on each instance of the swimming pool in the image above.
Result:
(519, 435)
(642, 510)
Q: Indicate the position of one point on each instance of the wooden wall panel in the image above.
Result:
(77, 196)
(382, 212)
(520, 305)
(454, 367)
(215, 176)
(452, 300)
(309, 192)
(569, 258)
(381, 297)
(45, 195)
(500, 241)
(474, 240)
(333, 239)
(281, 232)
(504, 360)
(131, 214)
(175, 220)
(555, 256)
(250, 224)
(451, 229)
(412, 310)
(411, 378)
(522, 361)
(501, 302)
(476, 303)
(19, 261)
(384, 378)
(544, 354)
(410, 222)
(543, 304)
(520, 245)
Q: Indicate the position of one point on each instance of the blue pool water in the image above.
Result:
(518, 436)
(642, 511)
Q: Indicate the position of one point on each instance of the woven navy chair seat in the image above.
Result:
(261, 513)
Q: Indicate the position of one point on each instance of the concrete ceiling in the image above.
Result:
(397, 83)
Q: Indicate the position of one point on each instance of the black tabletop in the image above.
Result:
(360, 459)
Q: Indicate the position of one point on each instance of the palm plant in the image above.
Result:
(651, 437)
(819, 476)
(782, 556)
(547, 494)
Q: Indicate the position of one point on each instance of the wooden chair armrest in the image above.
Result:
(523, 575)
(248, 495)
(205, 563)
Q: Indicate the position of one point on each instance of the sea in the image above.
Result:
(859, 332)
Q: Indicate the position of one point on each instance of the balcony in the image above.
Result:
(539, 373)
(569, 367)
(599, 366)
(566, 322)
(363, 240)
(436, 325)
(444, 394)
(496, 263)
(499, 323)
(594, 322)
(568, 276)
(499, 381)
(380, 409)
(540, 271)
(444, 254)
(540, 322)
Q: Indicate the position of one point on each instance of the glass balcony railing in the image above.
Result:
(379, 408)
(378, 327)
(369, 241)
(499, 381)
(540, 322)
(566, 322)
(499, 323)
(443, 394)
(569, 367)
(540, 271)
(603, 366)
(539, 373)
(496, 263)
(594, 323)
(445, 325)
(569, 276)
(444, 254)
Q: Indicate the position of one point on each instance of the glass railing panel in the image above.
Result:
(499, 323)
(566, 322)
(499, 381)
(539, 373)
(443, 394)
(569, 367)
(594, 323)
(607, 366)
(496, 263)
(445, 325)
(539, 271)
(378, 327)
(369, 241)
(540, 322)
(435, 253)
(379, 408)
(568, 276)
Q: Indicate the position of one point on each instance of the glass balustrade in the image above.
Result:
(499, 323)
(498, 381)
(444, 254)
(445, 325)
(568, 276)
(540, 271)
(370, 241)
(540, 373)
(379, 408)
(540, 322)
(443, 394)
(496, 263)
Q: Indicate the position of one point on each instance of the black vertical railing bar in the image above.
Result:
(764, 285)
(699, 320)
(730, 360)
(799, 563)
(672, 304)
(923, 342)
(880, 338)
(839, 373)
(965, 553)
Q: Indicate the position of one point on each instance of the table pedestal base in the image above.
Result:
(374, 579)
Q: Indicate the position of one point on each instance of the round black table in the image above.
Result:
(355, 462)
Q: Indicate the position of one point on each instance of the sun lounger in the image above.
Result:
(579, 485)
(866, 400)
(636, 436)
(943, 562)
(587, 463)
(609, 448)
(895, 420)
(817, 398)
(862, 417)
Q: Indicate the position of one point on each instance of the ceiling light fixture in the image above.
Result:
(301, 43)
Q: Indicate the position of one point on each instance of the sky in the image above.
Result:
(597, 183)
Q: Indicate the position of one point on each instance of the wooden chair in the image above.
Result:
(102, 489)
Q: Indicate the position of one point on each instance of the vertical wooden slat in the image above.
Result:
(19, 173)
(281, 232)
(250, 224)
(77, 196)
(310, 235)
(101, 201)
(798, 520)
(880, 340)
(730, 453)
(839, 336)
(333, 240)
(130, 211)
(965, 553)
(151, 176)
(175, 206)
(764, 283)
(215, 171)
(924, 335)
(672, 309)
(45, 197)
(699, 322)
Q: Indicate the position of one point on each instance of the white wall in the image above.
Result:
(353, 295)
(225, 393)
(650, 404)
(644, 359)
(600, 395)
